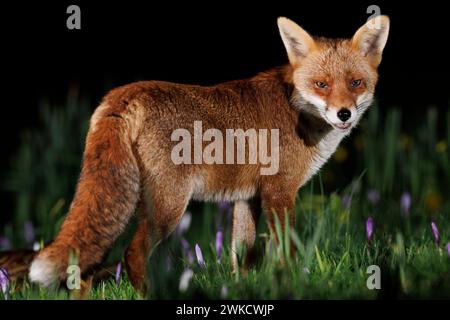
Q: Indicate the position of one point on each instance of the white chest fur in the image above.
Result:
(324, 150)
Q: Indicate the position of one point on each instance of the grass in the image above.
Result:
(380, 162)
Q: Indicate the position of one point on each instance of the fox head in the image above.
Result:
(335, 78)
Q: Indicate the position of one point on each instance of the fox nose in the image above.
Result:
(344, 114)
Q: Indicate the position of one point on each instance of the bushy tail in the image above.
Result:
(106, 197)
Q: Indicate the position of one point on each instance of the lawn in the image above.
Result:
(383, 199)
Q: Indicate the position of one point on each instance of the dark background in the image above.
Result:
(200, 43)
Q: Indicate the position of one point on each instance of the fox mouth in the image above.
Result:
(342, 126)
(337, 125)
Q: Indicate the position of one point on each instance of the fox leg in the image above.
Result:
(277, 202)
(138, 251)
(245, 220)
(106, 197)
(159, 214)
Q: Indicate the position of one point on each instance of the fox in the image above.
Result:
(314, 101)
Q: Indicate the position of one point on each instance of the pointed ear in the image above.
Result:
(371, 38)
(297, 41)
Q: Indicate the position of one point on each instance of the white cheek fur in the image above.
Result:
(364, 99)
(331, 115)
(314, 100)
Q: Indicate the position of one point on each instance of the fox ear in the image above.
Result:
(297, 41)
(371, 38)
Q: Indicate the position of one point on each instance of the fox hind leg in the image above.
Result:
(138, 250)
(159, 214)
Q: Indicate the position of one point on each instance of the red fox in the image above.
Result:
(138, 158)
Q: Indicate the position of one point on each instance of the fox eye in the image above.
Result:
(355, 83)
(321, 85)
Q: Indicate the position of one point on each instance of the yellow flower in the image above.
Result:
(359, 142)
(433, 201)
(341, 155)
(405, 141)
(441, 146)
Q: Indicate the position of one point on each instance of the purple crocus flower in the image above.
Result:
(36, 246)
(346, 201)
(219, 238)
(369, 229)
(185, 279)
(435, 231)
(225, 214)
(224, 206)
(4, 282)
(118, 273)
(184, 224)
(5, 244)
(223, 292)
(198, 253)
(405, 203)
(29, 232)
(187, 250)
(373, 196)
(448, 249)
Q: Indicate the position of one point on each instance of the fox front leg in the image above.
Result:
(246, 215)
(279, 203)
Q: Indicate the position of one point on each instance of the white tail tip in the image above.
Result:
(42, 272)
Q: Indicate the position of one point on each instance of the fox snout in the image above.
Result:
(344, 114)
(341, 117)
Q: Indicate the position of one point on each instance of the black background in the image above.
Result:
(201, 43)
